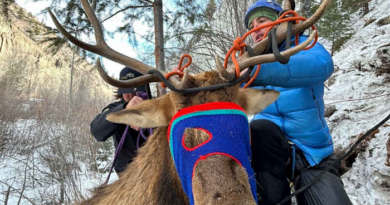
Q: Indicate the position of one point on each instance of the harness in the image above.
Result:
(228, 129)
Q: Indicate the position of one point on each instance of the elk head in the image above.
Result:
(217, 179)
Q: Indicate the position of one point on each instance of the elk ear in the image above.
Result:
(150, 113)
(254, 100)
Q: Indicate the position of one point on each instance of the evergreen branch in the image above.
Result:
(124, 9)
(109, 17)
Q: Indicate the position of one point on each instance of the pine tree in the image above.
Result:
(334, 25)
(179, 17)
(20, 13)
(37, 31)
(210, 10)
(5, 7)
(355, 5)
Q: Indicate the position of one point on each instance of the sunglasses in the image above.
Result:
(125, 78)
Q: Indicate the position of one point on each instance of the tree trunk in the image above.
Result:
(69, 106)
(7, 195)
(238, 18)
(159, 40)
(306, 8)
(332, 50)
(388, 152)
(366, 9)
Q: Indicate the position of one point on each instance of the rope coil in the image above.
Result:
(238, 43)
(181, 69)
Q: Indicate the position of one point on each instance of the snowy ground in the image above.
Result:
(358, 76)
(33, 179)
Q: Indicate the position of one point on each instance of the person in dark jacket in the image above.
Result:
(290, 138)
(102, 129)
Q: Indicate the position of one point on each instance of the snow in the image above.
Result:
(368, 180)
(16, 170)
(360, 95)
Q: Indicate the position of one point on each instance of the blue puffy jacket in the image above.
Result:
(299, 110)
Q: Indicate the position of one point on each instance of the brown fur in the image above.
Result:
(152, 178)
(194, 137)
(231, 189)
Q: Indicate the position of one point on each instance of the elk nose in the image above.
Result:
(235, 197)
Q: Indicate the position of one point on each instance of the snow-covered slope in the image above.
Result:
(360, 91)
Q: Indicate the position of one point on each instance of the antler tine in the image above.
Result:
(67, 35)
(281, 33)
(271, 57)
(135, 82)
(184, 82)
(226, 75)
(101, 48)
(313, 19)
(99, 35)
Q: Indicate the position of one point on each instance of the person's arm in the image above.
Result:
(101, 128)
(305, 68)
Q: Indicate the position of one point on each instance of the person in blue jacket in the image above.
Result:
(290, 138)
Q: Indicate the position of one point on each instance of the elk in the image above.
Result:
(153, 178)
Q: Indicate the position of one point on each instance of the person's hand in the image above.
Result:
(243, 71)
(134, 101)
(175, 69)
(135, 127)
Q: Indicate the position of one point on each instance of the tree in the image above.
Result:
(188, 12)
(4, 7)
(355, 5)
(334, 25)
(20, 13)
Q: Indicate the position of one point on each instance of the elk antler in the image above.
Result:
(268, 58)
(245, 60)
(101, 48)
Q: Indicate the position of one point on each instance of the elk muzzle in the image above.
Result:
(210, 146)
(220, 180)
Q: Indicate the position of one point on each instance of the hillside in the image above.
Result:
(22, 35)
(360, 91)
(46, 149)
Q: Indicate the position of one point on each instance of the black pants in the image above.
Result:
(271, 161)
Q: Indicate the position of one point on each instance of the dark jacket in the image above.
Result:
(102, 129)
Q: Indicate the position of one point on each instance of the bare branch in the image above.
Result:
(13, 189)
(124, 9)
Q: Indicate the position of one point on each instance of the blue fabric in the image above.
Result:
(299, 110)
(230, 139)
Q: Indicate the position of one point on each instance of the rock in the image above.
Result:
(383, 21)
(369, 22)
(329, 110)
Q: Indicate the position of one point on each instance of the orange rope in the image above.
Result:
(180, 72)
(238, 44)
(253, 78)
